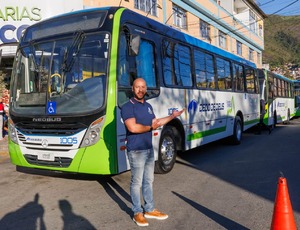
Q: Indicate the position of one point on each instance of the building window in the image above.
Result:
(148, 6)
(251, 56)
(259, 58)
(239, 48)
(252, 22)
(205, 30)
(260, 32)
(222, 40)
(179, 16)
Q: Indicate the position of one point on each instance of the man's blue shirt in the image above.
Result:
(143, 114)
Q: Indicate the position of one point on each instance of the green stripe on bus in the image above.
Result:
(255, 121)
(205, 133)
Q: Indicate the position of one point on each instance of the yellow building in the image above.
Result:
(234, 25)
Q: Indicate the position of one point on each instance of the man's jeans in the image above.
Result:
(142, 175)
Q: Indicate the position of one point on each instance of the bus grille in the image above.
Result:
(49, 128)
(31, 145)
(61, 162)
(31, 137)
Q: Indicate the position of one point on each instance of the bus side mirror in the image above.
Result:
(134, 44)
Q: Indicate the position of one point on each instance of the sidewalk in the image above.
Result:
(4, 150)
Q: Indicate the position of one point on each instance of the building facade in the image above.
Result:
(234, 25)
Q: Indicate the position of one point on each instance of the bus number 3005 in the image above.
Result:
(68, 140)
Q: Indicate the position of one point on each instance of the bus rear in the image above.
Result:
(60, 89)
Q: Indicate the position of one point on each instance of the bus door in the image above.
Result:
(136, 59)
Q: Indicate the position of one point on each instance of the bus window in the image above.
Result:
(57, 71)
(284, 88)
(204, 70)
(210, 72)
(123, 71)
(182, 66)
(277, 87)
(200, 69)
(223, 74)
(281, 87)
(131, 67)
(145, 63)
(271, 84)
(250, 80)
(177, 65)
(238, 78)
(167, 68)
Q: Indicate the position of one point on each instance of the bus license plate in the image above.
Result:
(46, 156)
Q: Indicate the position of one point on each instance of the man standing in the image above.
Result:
(140, 120)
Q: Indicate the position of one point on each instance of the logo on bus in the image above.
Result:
(192, 106)
(280, 104)
(33, 139)
(45, 143)
(205, 107)
(47, 119)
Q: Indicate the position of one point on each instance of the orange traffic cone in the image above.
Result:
(283, 217)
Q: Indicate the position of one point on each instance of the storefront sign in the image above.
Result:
(17, 15)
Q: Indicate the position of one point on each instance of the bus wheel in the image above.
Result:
(275, 120)
(288, 117)
(237, 131)
(167, 152)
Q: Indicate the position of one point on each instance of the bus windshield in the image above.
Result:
(70, 73)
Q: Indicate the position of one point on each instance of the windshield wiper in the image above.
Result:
(72, 52)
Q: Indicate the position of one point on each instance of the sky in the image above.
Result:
(280, 7)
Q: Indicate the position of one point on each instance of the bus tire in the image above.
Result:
(237, 131)
(275, 120)
(288, 119)
(167, 152)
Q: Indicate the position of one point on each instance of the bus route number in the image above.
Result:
(68, 140)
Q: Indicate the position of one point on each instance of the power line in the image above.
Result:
(285, 7)
(270, 7)
(265, 3)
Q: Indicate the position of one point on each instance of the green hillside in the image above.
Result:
(282, 40)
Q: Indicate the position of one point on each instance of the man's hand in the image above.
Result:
(176, 113)
(157, 122)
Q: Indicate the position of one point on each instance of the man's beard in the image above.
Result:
(139, 98)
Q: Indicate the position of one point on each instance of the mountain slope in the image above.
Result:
(282, 40)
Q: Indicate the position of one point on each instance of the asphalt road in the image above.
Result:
(216, 186)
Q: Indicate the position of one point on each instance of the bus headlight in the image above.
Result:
(92, 135)
(12, 132)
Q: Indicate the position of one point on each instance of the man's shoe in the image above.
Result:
(155, 214)
(140, 220)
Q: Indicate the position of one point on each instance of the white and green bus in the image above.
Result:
(277, 92)
(73, 73)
